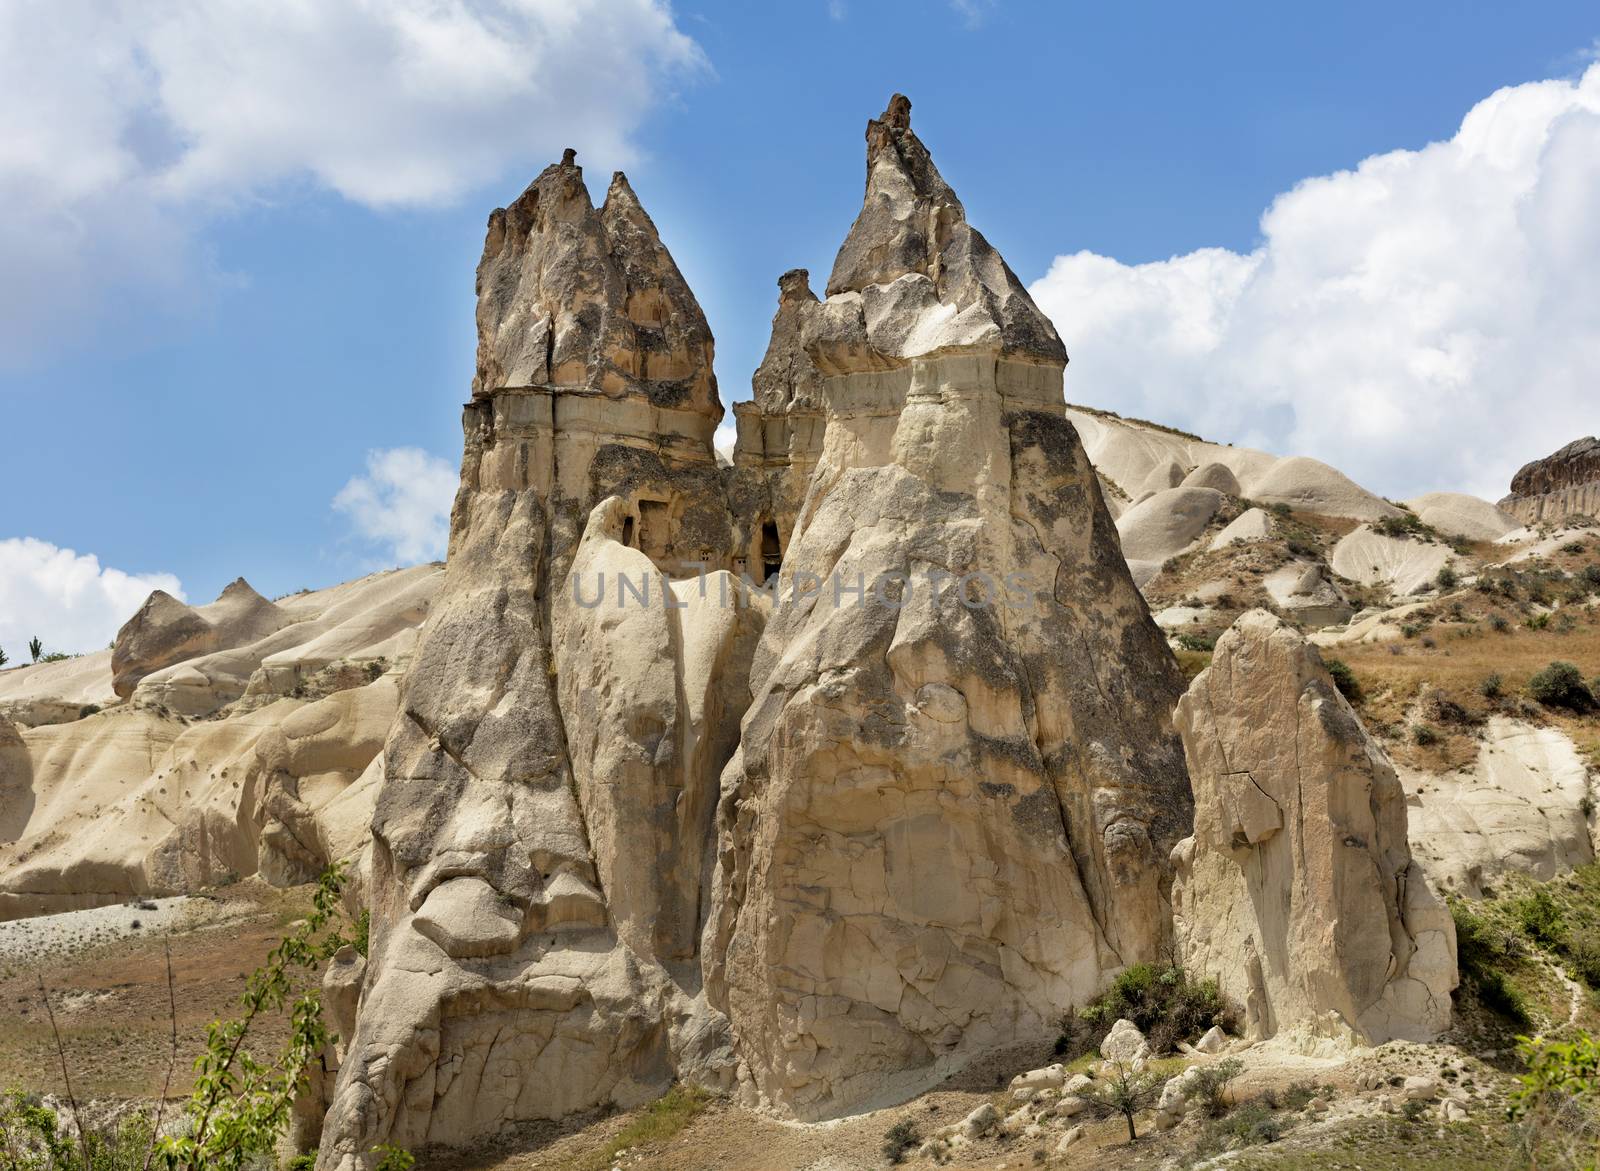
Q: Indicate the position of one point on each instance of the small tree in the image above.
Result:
(35, 648)
(4, 658)
(1121, 1089)
(239, 1107)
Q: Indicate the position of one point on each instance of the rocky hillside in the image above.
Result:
(944, 726)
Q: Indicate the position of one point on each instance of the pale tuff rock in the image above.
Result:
(1124, 1044)
(1520, 808)
(1565, 483)
(1253, 524)
(136, 800)
(16, 782)
(947, 821)
(165, 631)
(1213, 475)
(56, 693)
(543, 823)
(1164, 525)
(1457, 513)
(132, 802)
(1301, 591)
(1140, 457)
(1297, 891)
(1404, 566)
(779, 437)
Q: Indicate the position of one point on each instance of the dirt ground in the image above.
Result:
(111, 1003)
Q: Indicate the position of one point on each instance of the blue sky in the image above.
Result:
(211, 331)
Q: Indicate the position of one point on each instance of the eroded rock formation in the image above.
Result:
(540, 834)
(248, 751)
(946, 818)
(1564, 483)
(1297, 891)
(949, 817)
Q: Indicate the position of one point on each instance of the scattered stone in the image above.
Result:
(1124, 1043)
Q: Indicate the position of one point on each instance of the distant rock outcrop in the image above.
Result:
(141, 796)
(1297, 891)
(1565, 483)
(165, 631)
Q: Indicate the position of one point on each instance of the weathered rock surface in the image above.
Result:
(1164, 525)
(1298, 892)
(56, 693)
(550, 778)
(136, 799)
(947, 821)
(1565, 483)
(1403, 565)
(1521, 807)
(1456, 513)
(1253, 524)
(1140, 458)
(779, 438)
(165, 631)
(1301, 591)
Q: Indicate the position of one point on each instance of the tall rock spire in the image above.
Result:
(958, 781)
(549, 785)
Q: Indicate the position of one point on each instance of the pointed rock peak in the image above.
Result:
(897, 115)
(912, 225)
(571, 297)
(622, 206)
(569, 158)
(161, 605)
(794, 287)
(239, 588)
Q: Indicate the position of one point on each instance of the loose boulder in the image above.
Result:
(1297, 892)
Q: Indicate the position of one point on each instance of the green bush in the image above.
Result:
(1344, 679)
(1407, 526)
(1582, 956)
(1493, 686)
(1196, 642)
(1211, 1083)
(1540, 918)
(1423, 735)
(1561, 685)
(1252, 1124)
(1448, 578)
(901, 1137)
(1500, 996)
(1166, 1006)
(1481, 954)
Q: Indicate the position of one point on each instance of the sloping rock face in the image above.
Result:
(165, 631)
(1565, 483)
(1297, 891)
(1458, 513)
(1521, 808)
(137, 796)
(543, 825)
(951, 810)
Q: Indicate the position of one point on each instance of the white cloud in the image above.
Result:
(401, 504)
(123, 125)
(68, 600)
(973, 11)
(1430, 319)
